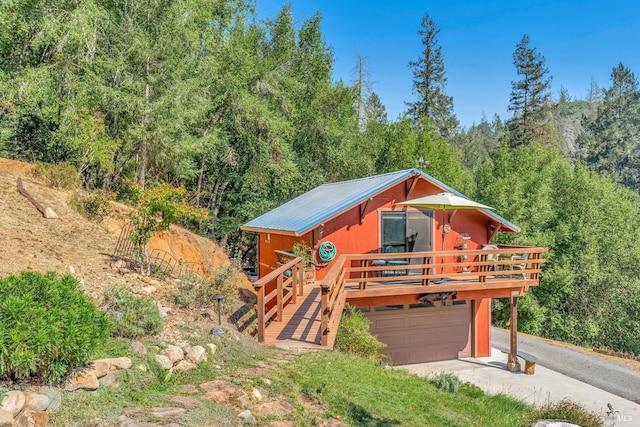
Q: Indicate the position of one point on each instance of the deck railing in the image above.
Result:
(503, 266)
(288, 279)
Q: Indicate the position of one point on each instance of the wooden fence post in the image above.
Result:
(260, 309)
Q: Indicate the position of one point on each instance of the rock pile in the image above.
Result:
(30, 408)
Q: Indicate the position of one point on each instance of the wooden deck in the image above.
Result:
(300, 325)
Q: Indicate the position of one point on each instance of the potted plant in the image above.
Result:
(305, 251)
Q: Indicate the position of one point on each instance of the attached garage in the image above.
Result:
(416, 333)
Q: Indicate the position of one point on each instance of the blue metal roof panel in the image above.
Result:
(314, 207)
(318, 205)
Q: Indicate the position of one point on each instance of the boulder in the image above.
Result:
(101, 367)
(138, 348)
(55, 398)
(212, 348)
(247, 417)
(14, 402)
(6, 418)
(37, 402)
(163, 361)
(166, 412)
(184, 365)
(173, 352)
(83, 381)
(255, 393)
(29, 418)
(196, 354)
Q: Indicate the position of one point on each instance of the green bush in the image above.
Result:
(48, 326)
(198, 293)
(354, 336)
(92, 205)
(565, 410)
(131, 316)
(59, 175)
(446, 381)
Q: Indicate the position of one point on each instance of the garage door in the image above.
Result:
(418, 333)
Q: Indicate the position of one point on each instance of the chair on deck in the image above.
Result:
(522, 266)
(493, 258)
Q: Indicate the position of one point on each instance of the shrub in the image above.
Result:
(565, 410)
(92, 205)
(198, 293)
(131, 316)
(354, 336)
(446, 381)
(48, 326)
(59, 175)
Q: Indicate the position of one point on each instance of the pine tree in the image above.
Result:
(429, 82)
(530, 97)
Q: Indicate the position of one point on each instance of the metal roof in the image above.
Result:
(316, 206)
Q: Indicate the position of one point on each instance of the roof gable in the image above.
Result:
(316, 206)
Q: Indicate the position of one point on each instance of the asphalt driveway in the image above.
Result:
(604, 373)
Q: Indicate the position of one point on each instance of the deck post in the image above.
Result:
(260, 309)
(279, 298)
(295, 283)
(324, 314)
(512, 363)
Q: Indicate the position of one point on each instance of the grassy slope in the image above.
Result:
(358, 391)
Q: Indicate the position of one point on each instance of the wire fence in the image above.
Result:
(159, 262)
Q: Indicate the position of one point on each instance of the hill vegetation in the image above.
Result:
(244, 115)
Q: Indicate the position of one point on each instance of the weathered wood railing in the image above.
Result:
(503, 266)
(275, 290)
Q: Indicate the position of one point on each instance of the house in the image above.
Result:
(424, 278)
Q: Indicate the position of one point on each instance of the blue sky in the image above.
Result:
(581, 40)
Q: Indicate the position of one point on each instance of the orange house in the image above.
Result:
(425, 284)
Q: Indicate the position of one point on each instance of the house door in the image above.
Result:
(407, 231)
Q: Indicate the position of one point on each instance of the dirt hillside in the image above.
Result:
(71, 243)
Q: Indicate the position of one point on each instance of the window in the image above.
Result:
(406, 231)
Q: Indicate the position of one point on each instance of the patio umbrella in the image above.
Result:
(444, 202)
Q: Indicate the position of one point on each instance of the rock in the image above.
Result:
(29, 418)
(265, 381)
(72, 270)
(120, 363)
(173, 352)
(196, 354)
(83, 381)
(185, 401)
(138, 348)
(255, 393)
(149, 289)
(184, 365)
(55, 398)
(274, 407)
(241, 400)
(166, 412)
(212, 348)
(6, 418)
(333, 422)
(216, 396)
(247, 417)
(163, 361)
(37, 402)
(219, 385)
(164, 312)
(142, 367)
(190, 389)
(14, 402)
(110, 380)
(113, 363)
(101, 368)
(120, 263)
(50, 214)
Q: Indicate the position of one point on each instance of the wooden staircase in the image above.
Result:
(300, 324)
